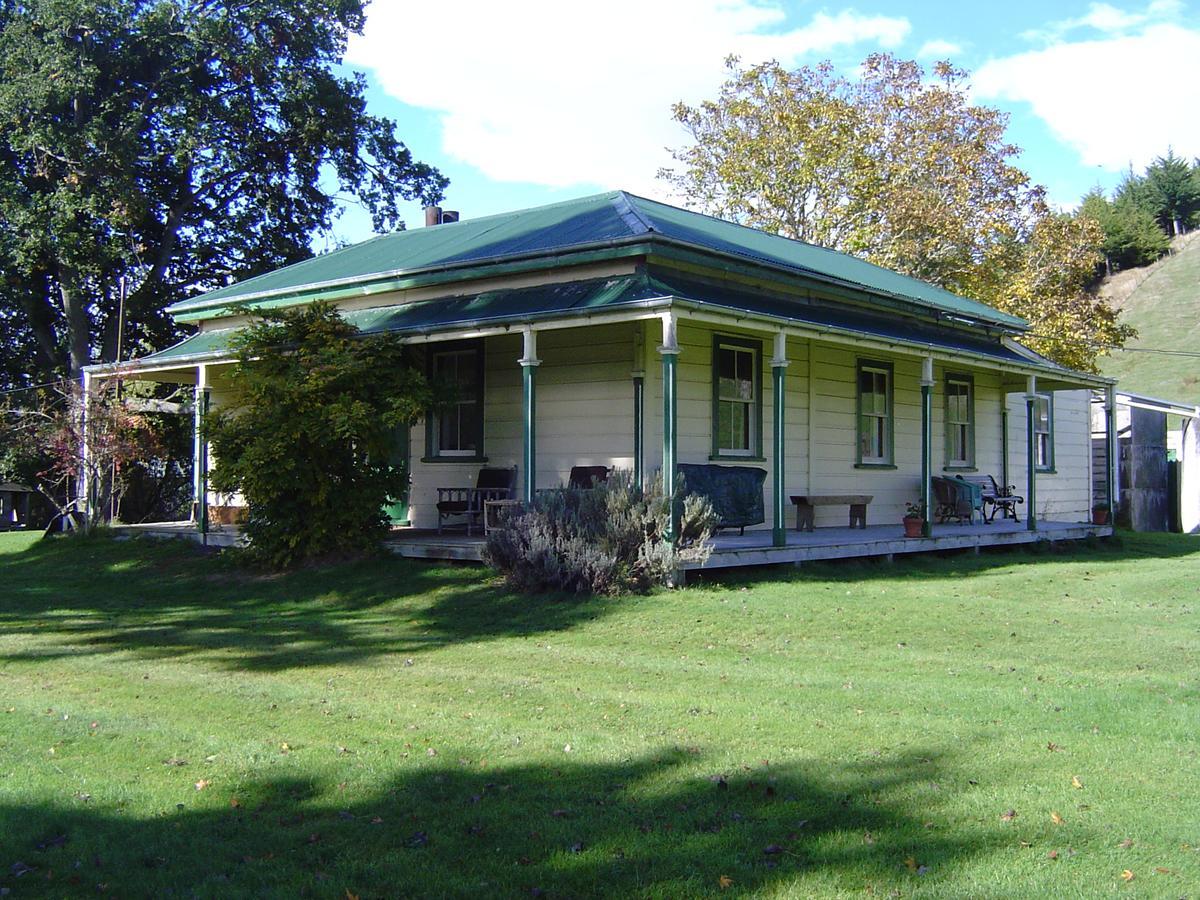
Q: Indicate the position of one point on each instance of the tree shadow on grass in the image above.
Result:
(662, 825)
(165, 599)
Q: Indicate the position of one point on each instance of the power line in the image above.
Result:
(33, 387)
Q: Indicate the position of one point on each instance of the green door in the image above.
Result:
(397, 510)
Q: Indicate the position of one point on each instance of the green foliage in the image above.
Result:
(175, 145)
(603, 540)
(1172, 190)
(309, 433)
(902, 170)
(1132, 237)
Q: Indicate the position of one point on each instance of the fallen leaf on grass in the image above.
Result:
(725, 882)
(234, 802)
(202, 784)
(1163, 870)
(1052, 747)
(1076, 783)
(1056, 818)
(1127, 875)
(1053, 854)
(1126, 844)
(350, 895)
(1008, 815)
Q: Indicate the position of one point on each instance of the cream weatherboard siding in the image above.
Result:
(584, 412)
(585, 417)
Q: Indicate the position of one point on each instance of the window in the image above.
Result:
(456, 429)
(960, 421)
(874, 413)
(737, 397)
(1043, 432)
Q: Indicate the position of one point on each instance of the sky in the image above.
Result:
(527, 102)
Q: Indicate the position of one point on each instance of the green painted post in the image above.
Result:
(1031, 460)
(669, 350)
(639, 409)
(927, 446)
(1004, 476)
(779, 385)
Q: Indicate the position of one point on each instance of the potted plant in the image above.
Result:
(1100, 514)
(914, 519)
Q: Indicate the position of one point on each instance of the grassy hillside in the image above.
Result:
(1163, 302)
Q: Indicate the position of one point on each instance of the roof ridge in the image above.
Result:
(638, 224)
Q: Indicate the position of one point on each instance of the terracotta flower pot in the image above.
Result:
(1099, 516)
(912, 527)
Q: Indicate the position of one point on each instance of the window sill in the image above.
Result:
(1048, 471)
(716, 457)
(453, 459)
(959, 469)
(872, 465)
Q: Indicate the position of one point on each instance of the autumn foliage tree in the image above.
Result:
(904, 171)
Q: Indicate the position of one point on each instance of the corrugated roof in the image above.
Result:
(517, 305)
(602, 221)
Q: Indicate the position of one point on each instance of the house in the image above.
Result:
(619, 331)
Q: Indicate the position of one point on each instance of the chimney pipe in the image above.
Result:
(449, 215)
(433, 215)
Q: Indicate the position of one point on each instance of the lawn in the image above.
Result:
(1014, 724)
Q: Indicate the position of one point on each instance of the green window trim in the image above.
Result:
(950, 426)
(432, 419)
(755, 450)
(1045, 462)
(888, 460)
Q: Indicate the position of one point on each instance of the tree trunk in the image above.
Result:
(79, 323)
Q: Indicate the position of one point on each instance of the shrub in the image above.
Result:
(308, 433)
(605, 540)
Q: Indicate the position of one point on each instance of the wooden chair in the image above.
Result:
(951, 501)
(584, 478)
(490, 484)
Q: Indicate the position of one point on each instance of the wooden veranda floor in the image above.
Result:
(729, 550)
(754, 547)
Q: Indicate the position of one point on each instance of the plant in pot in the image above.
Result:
(1100, 514)
(914, 519)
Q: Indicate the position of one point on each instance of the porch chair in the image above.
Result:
(955, 499)
(490, 484)
(584, 478)
(995, 498)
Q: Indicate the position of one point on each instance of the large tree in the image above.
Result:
(903, 170)
(156, 148)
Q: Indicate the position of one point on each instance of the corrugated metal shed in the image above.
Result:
(610, 223)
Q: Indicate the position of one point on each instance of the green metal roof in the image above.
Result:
(520, 305)
(612, 224)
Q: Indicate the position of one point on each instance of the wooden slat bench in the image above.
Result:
(857, 502)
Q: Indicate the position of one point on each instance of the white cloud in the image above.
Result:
(560, 93)
(939, 49)
(1107, 19)
(1117, 100)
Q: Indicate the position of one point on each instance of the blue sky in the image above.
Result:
(531, 101)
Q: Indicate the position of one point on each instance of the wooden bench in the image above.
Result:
(804, 504)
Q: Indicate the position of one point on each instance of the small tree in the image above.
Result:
(63, 440)
(308, 436)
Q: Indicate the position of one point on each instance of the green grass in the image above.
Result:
(392, 729)
(1165, 309)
